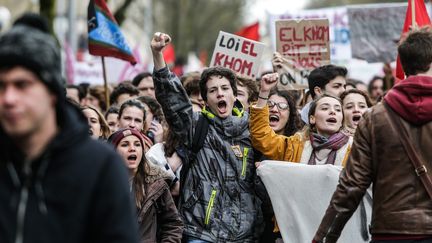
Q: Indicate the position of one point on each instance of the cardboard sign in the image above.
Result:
(290, 78)
(239, 54)
(373, 37)
(340, 43)
(305, 45)
(305, 42)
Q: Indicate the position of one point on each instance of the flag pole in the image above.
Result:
(107, 101)
(413, 18)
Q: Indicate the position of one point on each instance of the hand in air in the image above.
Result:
(159, 41)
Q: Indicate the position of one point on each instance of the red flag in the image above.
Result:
(169, 54)
(104, 35)
(421, 19)
(250, 32)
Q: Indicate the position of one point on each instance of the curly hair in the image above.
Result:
(218, 72)
(294, 122)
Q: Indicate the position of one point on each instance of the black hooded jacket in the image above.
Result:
(76, 191)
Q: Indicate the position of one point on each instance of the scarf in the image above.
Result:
(334, 143)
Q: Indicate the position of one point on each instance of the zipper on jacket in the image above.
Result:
(244, 165)
(330, 229)
(22, 205)
(210, 207)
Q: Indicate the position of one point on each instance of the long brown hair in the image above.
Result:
(139, 180)
(106, 132)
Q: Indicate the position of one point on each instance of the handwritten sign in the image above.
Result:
(239, 54)
(305, 42)
(304, 46)
(340, 44)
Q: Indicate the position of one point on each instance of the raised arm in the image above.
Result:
(169, 90)
(158, 43)
(264, 139)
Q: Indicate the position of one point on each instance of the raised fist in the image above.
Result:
(159, 41)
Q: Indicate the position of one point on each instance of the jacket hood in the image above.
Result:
(412, 99)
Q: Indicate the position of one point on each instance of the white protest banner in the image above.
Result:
(239, 54)
(304, 45)
(300, 195)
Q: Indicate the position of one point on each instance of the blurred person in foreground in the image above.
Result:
(56, 183)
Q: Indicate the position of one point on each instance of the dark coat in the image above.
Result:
(158, 217)
(76, 191)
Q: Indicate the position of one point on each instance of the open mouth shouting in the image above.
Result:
(331, 121)
(132, 159)
(356, 119)
(222, 107)
(274, 120)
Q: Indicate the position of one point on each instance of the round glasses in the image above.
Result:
(281, 105)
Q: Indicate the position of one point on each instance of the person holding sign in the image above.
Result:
(217, 201)
(321, 143)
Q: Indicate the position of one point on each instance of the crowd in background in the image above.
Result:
(191, 144)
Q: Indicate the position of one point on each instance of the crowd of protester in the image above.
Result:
(167, 128)
(191, 145)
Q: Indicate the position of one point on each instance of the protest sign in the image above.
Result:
(304, 46)
(241, 55)
(300, 195)
(338, 23)
(373, 37)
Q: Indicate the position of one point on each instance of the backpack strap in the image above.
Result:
(419, 165)
(200, 134)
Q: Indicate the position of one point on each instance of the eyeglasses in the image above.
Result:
(281, 105)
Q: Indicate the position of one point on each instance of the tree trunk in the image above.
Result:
(47, 9)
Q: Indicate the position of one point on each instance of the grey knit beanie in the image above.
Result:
(35, 50)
